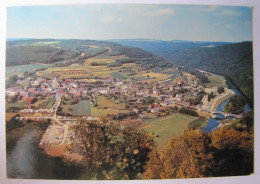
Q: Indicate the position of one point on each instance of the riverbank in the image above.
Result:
(13, 135)
(216, 105)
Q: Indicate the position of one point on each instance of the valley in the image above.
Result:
(108, 85)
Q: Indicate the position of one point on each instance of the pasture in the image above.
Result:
(46, 103)
(81, 108)
(19, 70)
(107, 106)
(198, 123)
(19, 105)
(215, 80)
(167, 126)
(118, 75)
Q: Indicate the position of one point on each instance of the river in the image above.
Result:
(27, 161)
(214, 122)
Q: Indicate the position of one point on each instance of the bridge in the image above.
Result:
(225, 114)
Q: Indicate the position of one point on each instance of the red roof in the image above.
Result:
(29, 100)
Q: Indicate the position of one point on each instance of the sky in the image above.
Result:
(131, 21)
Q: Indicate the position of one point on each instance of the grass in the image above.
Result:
(14, 70)
(50, 103)
(215, 80)
(168, 126)
(46, 103)
(141, 78)
(17, 105)
(99, 60)
(118, 75)
(197, 123)
(82, 108)
(107, 106)
(158, 76)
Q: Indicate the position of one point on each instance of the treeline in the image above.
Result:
(236, 105)
(233, 60)
(228, 151)
(121, 116)
(185, 110)
(202, 77)
(26, 54)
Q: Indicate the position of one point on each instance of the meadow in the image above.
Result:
(45, 103)
(107, 106)
(167, 126)
(19, 70)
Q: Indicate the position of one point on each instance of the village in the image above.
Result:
(141, 100)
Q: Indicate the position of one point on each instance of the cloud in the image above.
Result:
(161, 12)
(230, 12)
(228, 26)
(112, 19)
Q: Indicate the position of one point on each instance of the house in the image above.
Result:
(31, 90)
(179, 97)
(30, 100)
(103, 91)
(155, 105)
(156, 92)
(60, 93)
(55, 83)
(115, 92)
(136, 110)
(24, 94)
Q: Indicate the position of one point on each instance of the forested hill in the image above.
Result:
(21, 52)
(233, 60)
(162, 48)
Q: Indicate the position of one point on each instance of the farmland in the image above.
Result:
(215, 80)
(15, 105)
(81, 108)
(168, 126)
(14, 70)
(46, 103)
(107, 106)
(117, 75)
(198, 123)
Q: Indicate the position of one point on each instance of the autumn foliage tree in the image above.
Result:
(194, 154)
(110, 152)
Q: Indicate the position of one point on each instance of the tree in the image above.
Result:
(11, 81)
(235, 105)
(110, 152)
(221, 89)
(234, 153)
(150, 100)
(224, 152)
(185, 156)
(210, 96)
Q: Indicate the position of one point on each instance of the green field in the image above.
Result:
(118, 75)
(197, 123)
(81, 108)
(15, 70)
(168, 126)
(107, 106)
(215, 80)
(16, 105)
(141, 78)
(46, 103)
(171, 78)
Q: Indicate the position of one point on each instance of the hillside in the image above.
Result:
(26, 54)
(163, 48)
(20, 52)
(235, 61)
